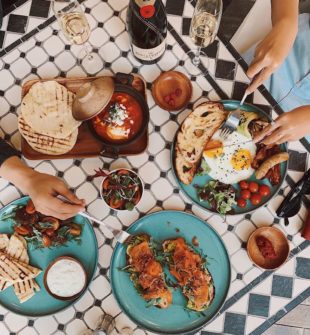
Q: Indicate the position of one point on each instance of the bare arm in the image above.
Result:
(42, 189)
(274, 48)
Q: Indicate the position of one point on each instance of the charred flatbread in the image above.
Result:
(47, 109)
(46, 144)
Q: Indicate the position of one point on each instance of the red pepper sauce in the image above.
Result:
(109, 129)
(265, 247)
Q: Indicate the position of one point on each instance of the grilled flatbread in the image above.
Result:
(16, 271)
(195, 132)
(47, 108)
(4, 241)
(46, 144)
(16, 248)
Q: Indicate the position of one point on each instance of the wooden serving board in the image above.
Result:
(86, 145)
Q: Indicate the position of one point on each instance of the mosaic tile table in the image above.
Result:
(32, 48)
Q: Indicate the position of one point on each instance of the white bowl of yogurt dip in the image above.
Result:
(65, 278)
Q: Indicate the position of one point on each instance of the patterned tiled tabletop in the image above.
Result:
(33, 47)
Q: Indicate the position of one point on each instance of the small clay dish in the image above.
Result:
(279, 242)
(172, 90)
(65, 298)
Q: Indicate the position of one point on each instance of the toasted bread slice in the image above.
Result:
(196, 130)
(146, 273)
(189, 269)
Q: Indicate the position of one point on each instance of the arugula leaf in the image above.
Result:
(204, 168)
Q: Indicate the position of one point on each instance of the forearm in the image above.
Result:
(285, 11)
(16, 172)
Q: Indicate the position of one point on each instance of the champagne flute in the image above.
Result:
(204, 26)
(74, 25)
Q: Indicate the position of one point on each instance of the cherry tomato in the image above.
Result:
(245, 194)
(178, 92)
(49, 232)
(171, 102)
(167, 98)
(116, 203)
(122, 171)
(46, 241)
(264, 190)
(105, 184)
(244, 185)
(241, 202)
(253, 187)
(256, 199)
(22, 230)
(30, 209)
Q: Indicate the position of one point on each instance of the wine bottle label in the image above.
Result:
(149, 54)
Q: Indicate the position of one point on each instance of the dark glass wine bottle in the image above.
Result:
(147, 28)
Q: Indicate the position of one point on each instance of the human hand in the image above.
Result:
(270, 53)
(43, 190)
(290, 126)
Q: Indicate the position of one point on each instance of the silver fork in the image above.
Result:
(232, 121)
(120, 235)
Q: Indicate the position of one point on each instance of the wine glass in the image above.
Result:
(74, 25)
(204, 26)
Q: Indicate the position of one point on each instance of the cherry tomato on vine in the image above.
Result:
(256, 199)
(244, 185)
(245, 194)
(253, 187)
(241, 202)
(264, 190)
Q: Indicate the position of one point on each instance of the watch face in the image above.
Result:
(144, 3)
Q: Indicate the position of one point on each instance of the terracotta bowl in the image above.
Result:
(55, 295)
(166, 85)
(279, 242)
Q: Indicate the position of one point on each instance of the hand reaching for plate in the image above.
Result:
(42, 189)
(290, 126)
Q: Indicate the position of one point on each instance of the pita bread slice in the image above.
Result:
(15, 271)
(46, 144)
(4, 241)
(16, 249)
(47, 109)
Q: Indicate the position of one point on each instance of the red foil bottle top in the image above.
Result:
(147, 11)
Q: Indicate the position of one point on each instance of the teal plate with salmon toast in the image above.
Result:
(85, 251)
(175, 319)
(190, 190)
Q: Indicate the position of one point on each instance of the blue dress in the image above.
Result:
(290, 84)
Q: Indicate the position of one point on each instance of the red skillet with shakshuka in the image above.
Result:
(124, 119)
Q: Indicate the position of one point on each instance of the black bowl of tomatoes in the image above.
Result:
(122, 189)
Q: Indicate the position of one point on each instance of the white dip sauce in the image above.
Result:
(65, 278)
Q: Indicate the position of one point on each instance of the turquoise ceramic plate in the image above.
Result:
(42, 303)
(190, 190)
(175, 319)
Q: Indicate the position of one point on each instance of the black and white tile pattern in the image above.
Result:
(256, 298)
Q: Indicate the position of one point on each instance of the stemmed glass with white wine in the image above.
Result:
(74, 25)
(204, 26)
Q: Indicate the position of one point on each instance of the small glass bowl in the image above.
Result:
(115, 171)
